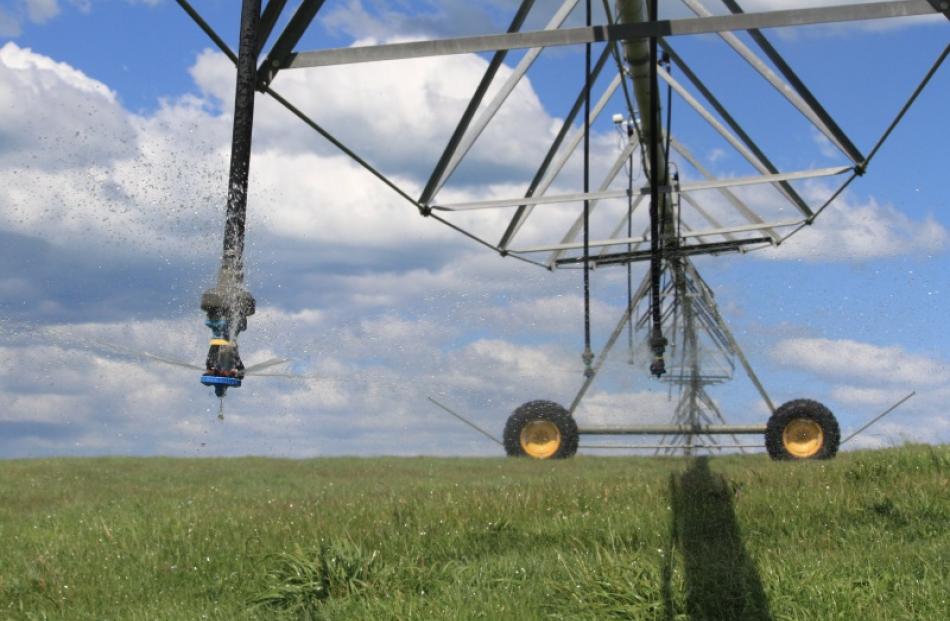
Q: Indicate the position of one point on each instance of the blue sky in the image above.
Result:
(114, 138)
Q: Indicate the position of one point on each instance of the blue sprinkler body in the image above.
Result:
(220, 384)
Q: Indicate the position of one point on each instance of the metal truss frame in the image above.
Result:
(690, 296)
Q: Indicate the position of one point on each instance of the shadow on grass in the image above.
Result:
(721, 580)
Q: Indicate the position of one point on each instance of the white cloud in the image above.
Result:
(865, 379)
(41, 11)
(867, 395)
(715, 155)
(853, 231)
(853, 359)
(824, 145)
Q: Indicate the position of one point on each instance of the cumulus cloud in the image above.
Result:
(852, 230)
(867, 377)
(853, 359)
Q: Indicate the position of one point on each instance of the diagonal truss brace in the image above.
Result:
(806, 104)
(481, 90)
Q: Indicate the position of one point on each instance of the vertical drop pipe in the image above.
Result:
(232, 258)
(588, 355)
(641, 57)
(229, 304)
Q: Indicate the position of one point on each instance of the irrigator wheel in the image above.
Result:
(541, 430)
(802, 429)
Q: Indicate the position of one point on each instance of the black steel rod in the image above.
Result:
(656, 265)
(241, 137)
(588, 355)
(682, 251)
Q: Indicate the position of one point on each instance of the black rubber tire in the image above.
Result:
(802, 408)
(541, 410)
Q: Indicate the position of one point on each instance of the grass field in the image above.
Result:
(866, 536)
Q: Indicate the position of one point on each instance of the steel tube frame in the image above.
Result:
(523, 211)
(732, 140)
(569, 150)
(792, 95)
(697, 186)
(674, 447)
(841, 139)
(268, 20)
(730, 196)
(729, 120)
(480, 91)
(283, 48)
(472, 133)
(616, 32)
(735, 245)
(608, 179)
(745, 228)
(733, 344)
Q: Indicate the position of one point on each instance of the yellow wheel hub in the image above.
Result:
(803, 438)
(540, 439)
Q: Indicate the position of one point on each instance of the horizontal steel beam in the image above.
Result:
(659, 430)
(696, 186)
(621, 258)
(615, 32)
(742, 228)
(672, 447)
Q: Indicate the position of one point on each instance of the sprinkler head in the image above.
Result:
(220, 383)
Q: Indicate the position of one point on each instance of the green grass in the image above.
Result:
(866, 536)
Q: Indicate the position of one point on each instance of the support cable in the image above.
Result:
(466, 421)
(878, 417)
(342, 147)
(862, 168)
(907, 105)
(588, 355)
(196, 17)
